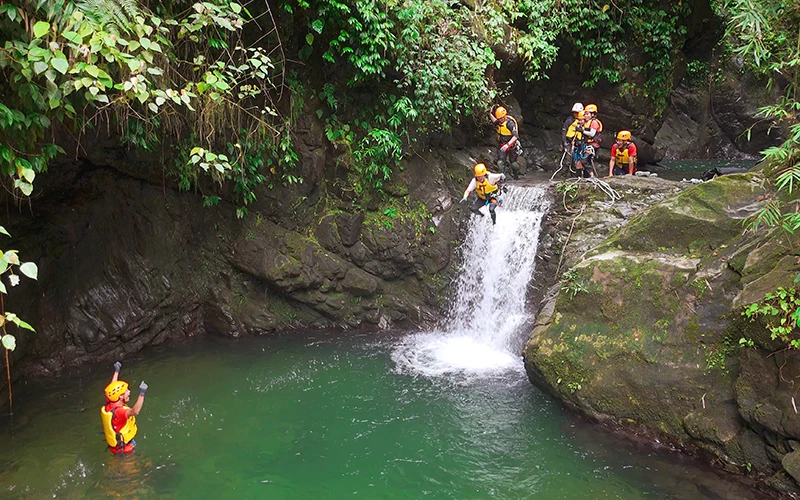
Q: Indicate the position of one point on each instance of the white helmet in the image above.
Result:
(577, 107)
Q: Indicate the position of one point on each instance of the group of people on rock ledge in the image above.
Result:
(580, 138)
(581, 135)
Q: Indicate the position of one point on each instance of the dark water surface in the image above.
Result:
(693, 169)
(324, 416)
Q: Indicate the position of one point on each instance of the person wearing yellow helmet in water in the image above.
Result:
(487, 188)
(623, 155)
(119, 420)
(509, 148)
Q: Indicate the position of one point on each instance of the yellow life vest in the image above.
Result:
(575, 131)
(622, 157)
(127, 433)
(504, 131)
(484, 188)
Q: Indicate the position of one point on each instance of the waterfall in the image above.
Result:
(481, 332)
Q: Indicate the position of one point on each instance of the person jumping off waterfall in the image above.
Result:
(487, 187)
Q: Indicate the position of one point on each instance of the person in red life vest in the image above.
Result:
(487, 187)
(623, 155)
(119, 420)
(508, 146)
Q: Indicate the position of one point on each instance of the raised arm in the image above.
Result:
(117, 368)
(137, 407)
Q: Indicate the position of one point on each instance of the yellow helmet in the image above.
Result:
(591, 108)
(624, 135)
(116, 389)
(480, 169)
(500, 112)
(581, 115)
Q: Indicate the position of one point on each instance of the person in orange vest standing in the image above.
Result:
(119, 420)
(623, 155)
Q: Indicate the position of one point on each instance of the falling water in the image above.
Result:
(481, 333)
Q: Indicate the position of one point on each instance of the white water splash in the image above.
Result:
(481, 333)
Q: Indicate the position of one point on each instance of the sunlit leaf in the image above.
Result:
(40, 29)
(9, 342)
(22, 324)
(29, 269)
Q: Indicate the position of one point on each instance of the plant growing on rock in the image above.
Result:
(573, 284)
(8, 263)
(781, 311)
(769, 42)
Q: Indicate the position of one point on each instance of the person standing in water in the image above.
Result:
(119, 420)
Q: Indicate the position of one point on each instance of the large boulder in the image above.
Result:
(643, 328)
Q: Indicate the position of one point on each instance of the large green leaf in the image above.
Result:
(29, 269)
(40, 29)
(60, 65)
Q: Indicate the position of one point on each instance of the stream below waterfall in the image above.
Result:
(391, 415)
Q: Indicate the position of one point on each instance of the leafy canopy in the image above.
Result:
(184, 73)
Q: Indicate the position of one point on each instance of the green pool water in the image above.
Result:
(324, 416)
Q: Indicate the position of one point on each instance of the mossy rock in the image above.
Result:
(704, 216)
(613, 349)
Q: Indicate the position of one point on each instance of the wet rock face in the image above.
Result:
(127, 262)
(643, 327)
(710, 119)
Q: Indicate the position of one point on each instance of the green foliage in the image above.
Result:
(717, 354)
(781, 312)
(769, 42)
(185, 73)
(417, 84)
(697, 72)
(573, 284)
(569, 190)
(400, 210)
(8, 263)
(399, 71)
(700, 285)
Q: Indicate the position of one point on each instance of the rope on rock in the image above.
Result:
(606, 188)
(560, 165)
